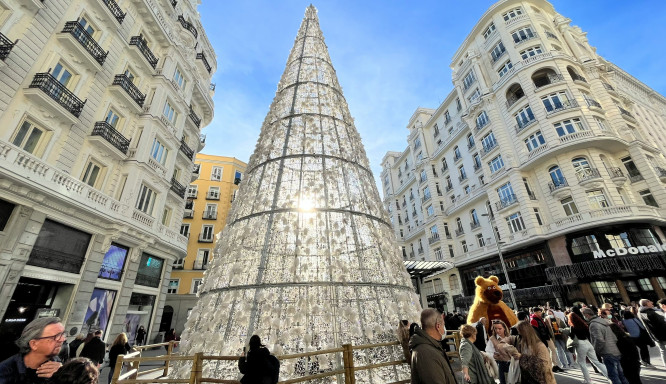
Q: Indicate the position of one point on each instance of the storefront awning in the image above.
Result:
(421, 269)
(606, 267)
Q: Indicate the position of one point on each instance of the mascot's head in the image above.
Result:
(488, 290)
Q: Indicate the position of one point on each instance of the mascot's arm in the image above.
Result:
(508, 312)
(477, 311)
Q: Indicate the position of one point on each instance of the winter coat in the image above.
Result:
(73, 346)
(602, 337)
(115, 351)
(654, 322)
(481, 333)
(541, 328)
(429, 363)
(95, 350)
(257, 368)
(471, 358)
(633, 326)
(536, 364)
(499, 347)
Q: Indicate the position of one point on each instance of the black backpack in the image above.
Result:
(275, 368)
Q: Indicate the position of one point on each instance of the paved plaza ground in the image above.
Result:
(655, 375)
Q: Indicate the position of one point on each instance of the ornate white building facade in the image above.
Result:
(556, 149)
(101, 107)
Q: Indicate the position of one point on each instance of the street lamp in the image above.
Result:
(499, 252)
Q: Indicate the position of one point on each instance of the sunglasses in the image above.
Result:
(55, 337)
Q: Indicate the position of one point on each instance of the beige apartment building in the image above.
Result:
(209, 199)
(101, 107)
(547, 147)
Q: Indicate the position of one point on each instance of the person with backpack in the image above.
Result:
(258, 366)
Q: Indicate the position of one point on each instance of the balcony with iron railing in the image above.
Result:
(593, 103)
(494, 58)
(45, 82)
(6, 46)
(626, 113)
(115, 10)
(86, 41)
(420, 251)
(563, 105)
(587, 175)
(462, 178)
(55, 260)
(449, 188)
(195, 119)
(201, 56)
(522, 124)
(130, 89)
(186, 150)
(506, 202)
(608, 87)
(433, 238)
(529, 37)
(551, 35)
(549, 79)
(557, 186)
(482, 124)
(577, 77)
(111, 135)
(187, 25)
(513, 99)
(210, 215)
(471, 145)
(459, 232)
(178, 188)
(457, 157)
(142, 46)
(488, 147)
(474, 225)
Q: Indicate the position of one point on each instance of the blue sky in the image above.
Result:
(391, 57)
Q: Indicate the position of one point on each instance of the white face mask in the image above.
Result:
(443, 334)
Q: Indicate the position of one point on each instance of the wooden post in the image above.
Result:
(348, 361)
(117, 369)
(197, 367)
(168, 358)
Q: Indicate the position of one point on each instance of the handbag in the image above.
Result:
(513, 376)
(572, 343)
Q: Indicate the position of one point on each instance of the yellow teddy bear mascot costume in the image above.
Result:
(488, 303)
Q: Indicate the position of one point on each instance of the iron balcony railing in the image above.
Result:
(187, 25)
(186, 150)
(506, 202)
(564, 105)
(474, 225)
(488, 147)
(433, 239)
(195, 119)
(178, 188)
(593, 103)
(547, 80)
(625, 112)
(471, 145)
(551, 35)
(6, 46)
(52, 259)
(125, 83)
(115, 10)
(460, 232)
(512, 99)
(522, 124)
(588, 174)
(577, 77)
(202, 57)
(608, 86)
(88, 42)
(110, 134)
(142, 45)
(482, 124)
(615, 172)
(554, 186)
(190, 204)
(58, 92)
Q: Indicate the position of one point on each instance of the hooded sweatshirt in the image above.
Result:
(603, 338)
(429, 363)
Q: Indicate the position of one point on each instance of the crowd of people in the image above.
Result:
(613, 340)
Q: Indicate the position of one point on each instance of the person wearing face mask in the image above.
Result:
(605, 343)
(473, 365)
(429, 362)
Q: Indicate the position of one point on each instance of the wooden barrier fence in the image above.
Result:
(347, 371)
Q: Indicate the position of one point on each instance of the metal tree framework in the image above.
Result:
(308, 259)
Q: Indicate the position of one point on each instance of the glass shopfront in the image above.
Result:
(139, 313)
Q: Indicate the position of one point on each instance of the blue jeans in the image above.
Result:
(615, 373)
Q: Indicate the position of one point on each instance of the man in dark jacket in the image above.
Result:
(545, 333)
(655, 324)
(605, 344)
(481, 333)
(95, 349)
(37, 360)
(429, 363)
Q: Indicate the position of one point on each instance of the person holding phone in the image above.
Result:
(257, 365)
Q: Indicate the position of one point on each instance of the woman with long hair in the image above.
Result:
(496, 348)
(473, 365)
(535, 363)
(258, 366)
(119, 347)
(584, 349)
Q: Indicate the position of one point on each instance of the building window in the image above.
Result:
(454, 283)
(424, 176)
(62, 74)
(522, 34)
(459, 224)
(178, 78)
(529, 52)
(173, 286)
(648, 199)
(645, 285)
(524, 116)
(569, 206)
(417, 143)
(463, 245)
(216, 174)
(469, 79)
(504, 68)
(470, 141)
(426, 193)
(489, 31)
(192, 191)
(451, 252)
(169, 112)
(146, 200)
(557, 176)
(488, 141)
(515, 222)
(211, 211)
(534, 141)
(185, 230)
(159, 152)
(456, 153)
(631, 167)
(568, 127)
(196, 284)
(474, 96)
(603, 125)
(581, 166)
(112, 118)
(27, 137)
(150, 271)
(91, 173)
(498, 50)
(462, 173)
(477, 161)
(601, 287)
(238, 176)
(555, 101)
(496, 164)
(430, 210)
(202, 259)
(512, 13)
(584, 244)
(538, 216)
(438, 254)
(482, 120)
(213, 193)
(207, 232)
(480, 240)
(166, 216)
(114, 262)
(458, 104)
(505, 193)
(597, 199)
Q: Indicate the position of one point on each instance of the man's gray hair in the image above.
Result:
(429, 318)
(587, 311)
(32, 331)
(643, 302)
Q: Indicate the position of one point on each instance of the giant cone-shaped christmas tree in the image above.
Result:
(308, 259)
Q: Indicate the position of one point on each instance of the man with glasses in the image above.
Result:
(37, 359)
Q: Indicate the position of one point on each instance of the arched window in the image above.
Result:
(544, 77)
(557, 176)
(454, 283)
(581, 167)
(474, 216)
(513, 94)
(459, 224)
(456, 153)
(574, 74)
(470, 141)
(482, 120)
